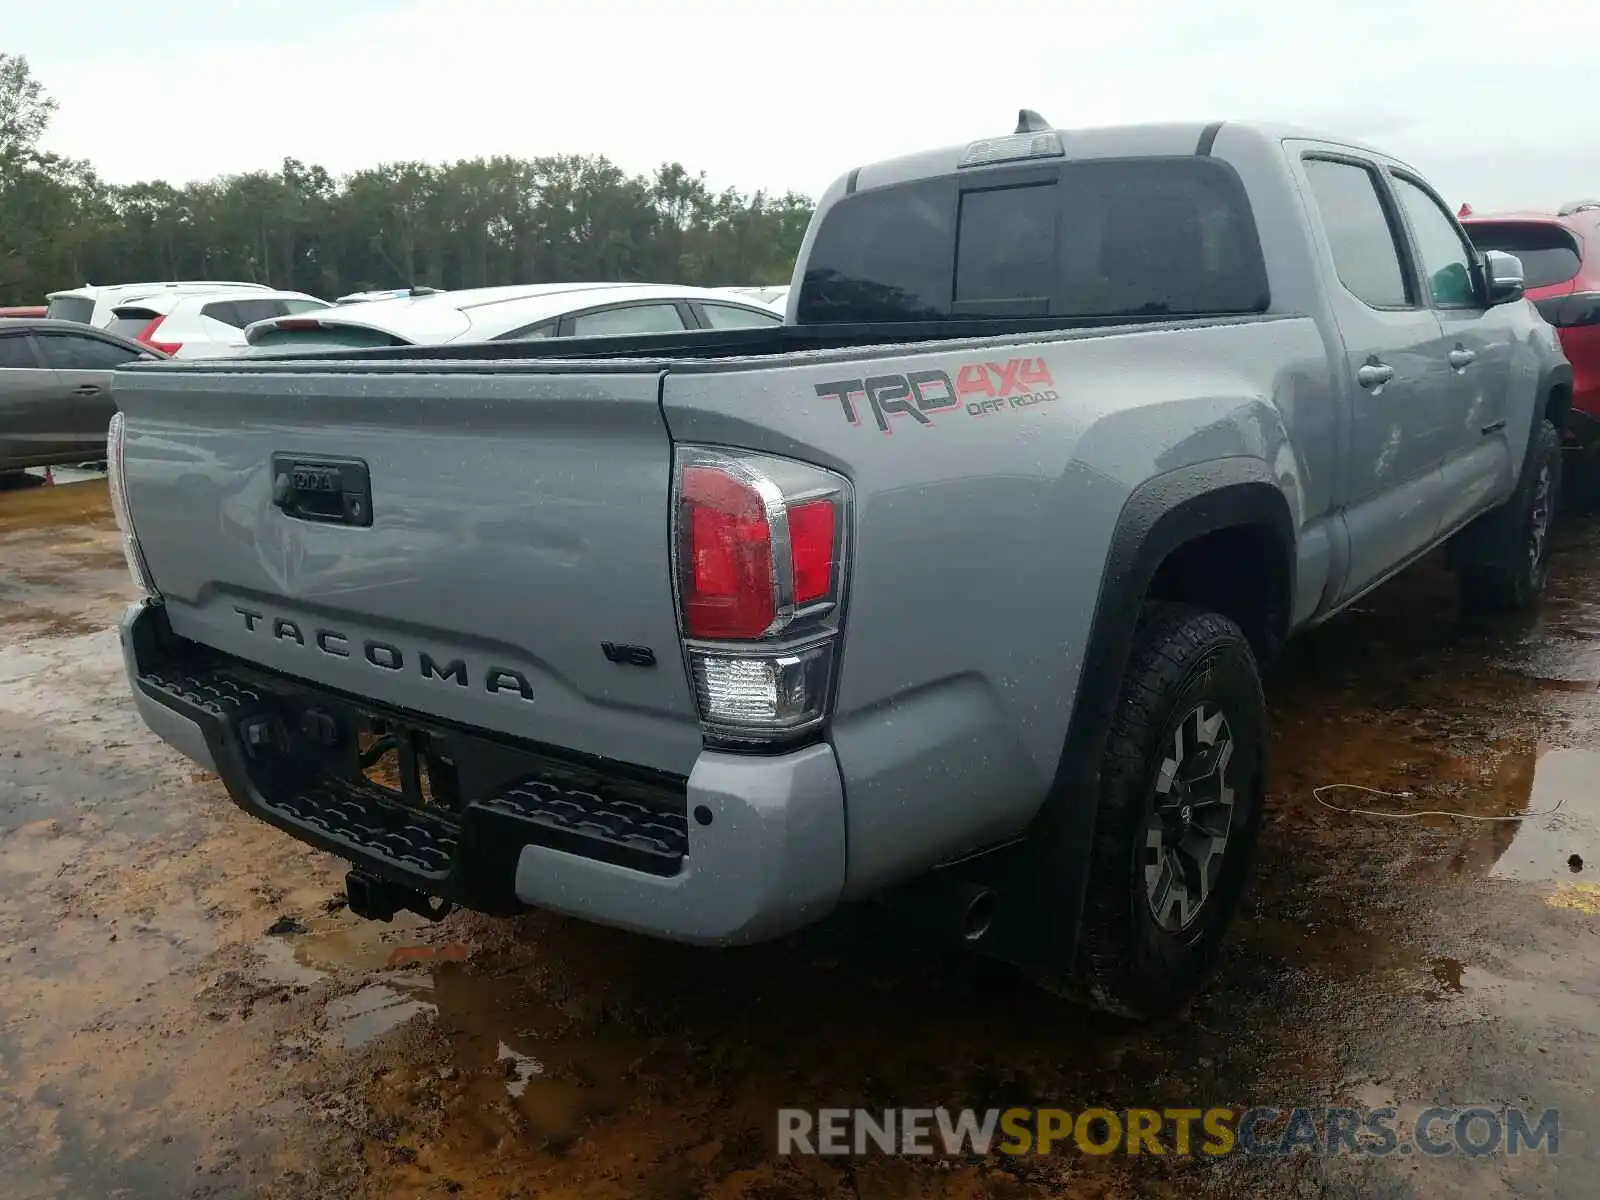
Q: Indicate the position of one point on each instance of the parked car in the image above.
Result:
(543, 310)
(1560, 253)
(23, 310)
(55, 391)
(206, 324)
(390, 294)
(636, 625)
(92, 305)
(773, 296)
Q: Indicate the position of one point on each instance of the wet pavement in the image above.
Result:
(186, 1010)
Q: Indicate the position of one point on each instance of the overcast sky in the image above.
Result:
(762, 94)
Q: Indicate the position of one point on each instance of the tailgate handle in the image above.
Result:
(333, 491)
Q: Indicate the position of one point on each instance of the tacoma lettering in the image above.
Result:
(386, 656)
(454, 669)
(502, 680)
(325, 637)
(381, 654)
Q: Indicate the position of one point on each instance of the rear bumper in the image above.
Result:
(745, 849)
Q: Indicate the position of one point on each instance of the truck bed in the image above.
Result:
(657, 350)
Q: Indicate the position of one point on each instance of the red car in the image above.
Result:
(1560, 256)
(23, 310)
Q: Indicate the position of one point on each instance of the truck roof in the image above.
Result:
(1106, 141)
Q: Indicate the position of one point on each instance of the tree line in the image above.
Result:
(471, 223)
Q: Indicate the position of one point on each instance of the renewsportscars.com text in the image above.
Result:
(1474, 1131)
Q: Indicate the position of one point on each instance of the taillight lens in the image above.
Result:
(116, 481)
(729, 590)
(811, 530)
(147, 335)
(761, 550)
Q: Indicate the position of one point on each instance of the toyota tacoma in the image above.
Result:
(951, 592)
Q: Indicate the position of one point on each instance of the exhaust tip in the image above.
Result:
(978, 916)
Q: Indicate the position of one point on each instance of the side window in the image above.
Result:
(66, 352)
(16, 351)
(636, 318)
(726, 316)
(249, 312)
(1446, 260)
(546, 329)
(292, 307)
(225, 311)
(1364, 248)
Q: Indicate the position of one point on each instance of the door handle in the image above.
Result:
(1374, 374)
(86, 389)
(1461, 358)
(333, 491)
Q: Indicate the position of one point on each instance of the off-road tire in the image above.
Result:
(1503, 559)
(1184, 660)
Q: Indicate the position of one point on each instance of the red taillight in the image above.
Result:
(811, 526)
(298, 325)
(761, 546)
(147, 335)
(728, 588)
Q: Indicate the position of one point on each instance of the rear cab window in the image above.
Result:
(1095, 239)
(1550, 254)
(71, 308)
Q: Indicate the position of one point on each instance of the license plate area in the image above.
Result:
(415, 766)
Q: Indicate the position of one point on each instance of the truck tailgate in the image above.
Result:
(518, 523)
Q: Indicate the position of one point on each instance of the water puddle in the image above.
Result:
(1565, 843)
(512, 1070)
(370, 946)
(368, 1014)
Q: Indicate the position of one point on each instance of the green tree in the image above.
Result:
(25, 112)
(471, 223)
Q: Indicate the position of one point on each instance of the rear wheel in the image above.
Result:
(1503, 561)
(1179, 809)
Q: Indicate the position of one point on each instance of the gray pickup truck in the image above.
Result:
(949, 592)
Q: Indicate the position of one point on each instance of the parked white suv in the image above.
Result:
(207, 325)
(387, 294)
(542, 310)
(92, 305)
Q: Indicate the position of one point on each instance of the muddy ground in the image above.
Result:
(185, 1009)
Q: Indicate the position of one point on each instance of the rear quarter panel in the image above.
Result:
(983, 520)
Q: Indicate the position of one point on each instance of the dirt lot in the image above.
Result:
(186, 1011)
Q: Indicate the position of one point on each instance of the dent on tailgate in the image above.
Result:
(517, 526)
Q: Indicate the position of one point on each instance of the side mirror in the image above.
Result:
(1502, 274)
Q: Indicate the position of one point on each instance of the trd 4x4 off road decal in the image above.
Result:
(983, 388)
